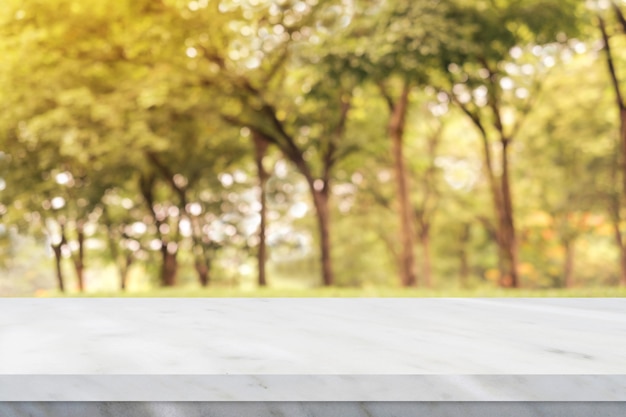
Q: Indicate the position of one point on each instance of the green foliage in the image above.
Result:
(370, 291)
(102, 101)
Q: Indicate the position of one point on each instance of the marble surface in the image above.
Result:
(313, 350)
(313, 388)
(317, 409)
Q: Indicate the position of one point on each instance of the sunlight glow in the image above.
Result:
(57, 202)
(506, 83)
(516, 52)
(299, 210)
(226, 179)
(185, 227)
(195, 209)
(139, 228)
(63, 178)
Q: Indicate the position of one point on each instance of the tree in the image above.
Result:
(82, 109)
(569, 144)
(428, 186)
(263, 92)
(260, 151)
(616, 207)
(483, 79)
(391, 46)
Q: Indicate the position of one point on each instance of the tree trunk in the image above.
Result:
(202, 270)
(568, 265)
(80, 276)
(114, 252)
(426, 259)
(128, 261)
(202, 260)
(123, 268)
(463, 256)
(464, 268)
(112, 238)
(622, 280)
(202, 263)
(498, 205)
(262, 251)
(396, 126)
(508, 242)
(320, 197)
(79, 259)
(508, 258)
(504, 226)
(260, 146)
(621, 105)
(320, 200)
(57, 261)
(620, 243)
(501, 196)
(169, 267)
(623, 143)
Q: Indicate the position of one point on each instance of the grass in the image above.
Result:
(337, 292)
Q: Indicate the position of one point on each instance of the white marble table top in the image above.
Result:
(313, 349)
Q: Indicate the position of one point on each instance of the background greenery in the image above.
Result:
(312, 148)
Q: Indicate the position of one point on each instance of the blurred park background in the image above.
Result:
(312, 147)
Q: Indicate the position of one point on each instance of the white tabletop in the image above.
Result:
(313, 349)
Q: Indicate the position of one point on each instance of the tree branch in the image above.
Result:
(386, 95)
(609, 60)
(619, 15)
(168, 175)
(331, 154)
